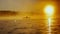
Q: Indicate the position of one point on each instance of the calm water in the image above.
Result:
(30, 26)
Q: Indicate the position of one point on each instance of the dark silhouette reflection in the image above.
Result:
(38, 31)
(21, 33)
(9, 33)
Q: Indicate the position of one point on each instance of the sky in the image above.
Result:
(16, 5)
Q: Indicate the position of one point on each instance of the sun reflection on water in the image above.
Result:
(49, 25)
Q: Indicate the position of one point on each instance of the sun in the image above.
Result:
(49, 10)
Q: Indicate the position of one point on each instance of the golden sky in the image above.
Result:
(16, 5)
